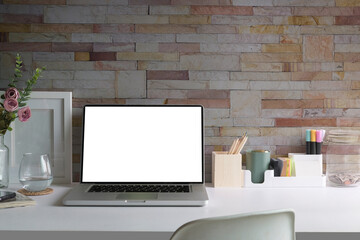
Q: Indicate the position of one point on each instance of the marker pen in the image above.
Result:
(313, 142)
(307, 141)
(319, 139)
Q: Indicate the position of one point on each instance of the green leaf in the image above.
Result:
(9, 128)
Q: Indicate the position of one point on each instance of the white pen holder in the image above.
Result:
(227, 170)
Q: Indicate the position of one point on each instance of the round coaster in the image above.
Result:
(43, 192)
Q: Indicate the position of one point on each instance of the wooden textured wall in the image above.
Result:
(271, 68)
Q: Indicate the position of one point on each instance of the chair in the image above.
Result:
(268, 225)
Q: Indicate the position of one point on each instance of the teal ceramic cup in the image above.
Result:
(257, 162)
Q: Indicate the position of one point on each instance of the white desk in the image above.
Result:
(317, 210)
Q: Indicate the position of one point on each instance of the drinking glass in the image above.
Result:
(35, 172)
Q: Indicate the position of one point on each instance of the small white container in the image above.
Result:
(307, 164)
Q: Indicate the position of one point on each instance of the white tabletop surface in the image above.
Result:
(316, 210)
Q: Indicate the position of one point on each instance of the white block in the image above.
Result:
(307, 164)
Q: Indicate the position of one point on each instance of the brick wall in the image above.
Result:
(271, 68)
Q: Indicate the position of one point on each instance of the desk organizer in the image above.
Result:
(308, 170)
(284, 182)
(227, 170)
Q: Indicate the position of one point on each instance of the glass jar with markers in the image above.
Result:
(343, 158)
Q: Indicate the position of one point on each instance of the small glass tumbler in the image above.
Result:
(35, 172)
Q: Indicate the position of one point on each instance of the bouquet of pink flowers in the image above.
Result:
(14, 105)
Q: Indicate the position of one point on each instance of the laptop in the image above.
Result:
(141, 155)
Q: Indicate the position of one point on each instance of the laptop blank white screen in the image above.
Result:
(142, 144)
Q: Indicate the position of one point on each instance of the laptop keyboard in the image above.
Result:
(139, 188)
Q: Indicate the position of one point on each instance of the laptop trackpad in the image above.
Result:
(137, 196)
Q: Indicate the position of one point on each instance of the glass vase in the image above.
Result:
(35, 172)
(4, 163)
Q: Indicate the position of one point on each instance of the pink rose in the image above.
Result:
(11, 104)
(24, 114)
(12, 93)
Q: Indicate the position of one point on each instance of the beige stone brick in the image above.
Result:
(137, 19)
(334, 94)
(53, 57)
(271, 57)
(169, 10)
(274, 29)
(280, 85)
(84, 84)
(166, 93)
(229, 48)
(318, 48)
(62, 28)
(217, 29)
(207, 103)
(290, 39)
(230, 85)
(14, 27)
(74, 14)
(281, 113)
(189, 19)
(39, 37)
(144, 101)
(252, 3)
(177, 84)
(245, 103)
(303, 76)
(260, 76)
(96, 2)
(302, 20)
(218, 122)
(352, 66)
(342, 103)
(213, 113)
(147, 56)
(209, 62)
(347, 57)
(197, 38)
(238, 131)
(330, 85)
(318, 3)
(208, 75)
(113, 47)
(347, 48)
(347, 76)
(255, 122)
(241, 20)
(161, 28)
(94, 75)
(355, 85)
(277, 48)
(91, 37)
(65, 65)
(155, 65)
(115, 65)
(347, 3)
(131, 84)
(272, 11)
(93, 93)
(328, 30)
(82, 56)
(248, 38)
(281, 94)
(142, 37)
(147, 47)
(261, 67)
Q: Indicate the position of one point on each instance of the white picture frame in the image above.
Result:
(49, 130)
